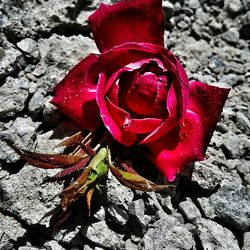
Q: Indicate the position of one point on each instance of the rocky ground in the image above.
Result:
(40, 41)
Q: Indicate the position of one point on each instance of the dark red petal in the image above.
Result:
(207, 101)
(138, 126)
(128, 21)
(76, 98)
(117, 131)
(171, 153)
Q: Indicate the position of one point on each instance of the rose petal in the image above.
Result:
(207, 101)
(76, 98)
(128, 21)
(118, 133)
(171, 153)
(138, 126)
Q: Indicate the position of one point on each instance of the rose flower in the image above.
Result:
(139, 90)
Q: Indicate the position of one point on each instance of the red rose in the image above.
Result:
(139, 90)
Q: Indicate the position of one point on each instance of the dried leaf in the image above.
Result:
(72, 193)
(72, 140)
(81, 164)
(89, 195)
(87, 149)
(135, 181)
(46, 161)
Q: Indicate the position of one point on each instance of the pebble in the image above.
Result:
(232, 35)
(230, 204)
(213, 236)
(189, 210)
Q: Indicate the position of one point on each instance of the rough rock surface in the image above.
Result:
(209, 208)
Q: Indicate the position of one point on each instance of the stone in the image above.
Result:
(9, 58)
(246, 241)
(229, 204)
(231, 36)
(72, 235)
(24, 196)
(167, 231)
(231, 79)
(213, 236)
(193, 4)
(233, 7)
(31, 248)
(53, 245)
(59, 54)
(208, 176)
(201, 16)
(5, 243)
(102, 235)
(36, 102)
(243, 123)
(118, 194)
(10, 231)
(29, 47)
(189, 210)
(234, 145)
(168, 8)
(11, 227)
(216, 65)
(244, 30)
(22, 133)
(13, 95)
(118, 216)
(138, 218)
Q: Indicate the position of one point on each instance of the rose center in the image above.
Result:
(145, 94)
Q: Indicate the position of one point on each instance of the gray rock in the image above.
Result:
(28, 199)
(5, 243)
(168, 8)
(53, 245)
(59, 54)
(167, 231)
(118, 215)
(201, 16)
(30, 248)
(50, 113)
(23, 133)
(118, 194)
(102, 235)
(232, 35)
(193, 4)
(36, 102)
(246, 242)
(216, 65)
(230, 204)
(246, 4)
(138, 218)
(233, 7)
(209, 176)
(29, 47)
(13, 95)
(244, 167)
(214, 236)
(244, 30)
(130, 245)
(231, 79)
(68, 235)
(201, 30)
(243, 123)
(215, 26)
(189, 210)
(235, 145)
(11, 227)
(9, 57)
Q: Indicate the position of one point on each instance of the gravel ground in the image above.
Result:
(40, 40)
